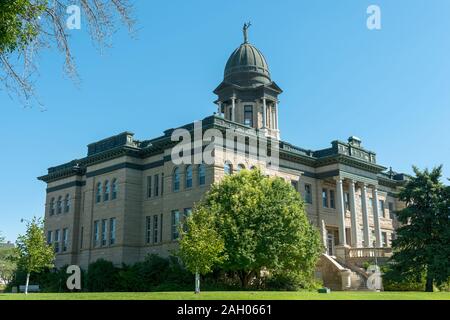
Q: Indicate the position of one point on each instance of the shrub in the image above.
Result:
(102, 276)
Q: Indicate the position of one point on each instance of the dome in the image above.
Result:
(247, 67)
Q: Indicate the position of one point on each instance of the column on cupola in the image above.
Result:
(219, 108)
(264, 113)
(376, 217)
(354, 217)
(276, 114)
(341, 211)
(233, 109)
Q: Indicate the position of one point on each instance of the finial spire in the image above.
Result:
(245, 29)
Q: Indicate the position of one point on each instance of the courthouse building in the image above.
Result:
(126, 197)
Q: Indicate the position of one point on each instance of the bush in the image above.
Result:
(102, 276)
(290, 281)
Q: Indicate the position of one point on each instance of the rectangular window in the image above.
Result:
(148, 229)
(294, 184)
(112, 231)
(186, 213)
(175, 223)
(149, 187)
(103, 232)
(161, 228)
(162, 183)
(156, 178)
(325, 198)
(65, 239)
(248, 116)
(384, 239)
(56, 241)
(96, 238)
(391, 210)
(49, 237)
(332, 203)
(347, 201)
(155, 228)
(308, 193)
(381, 208)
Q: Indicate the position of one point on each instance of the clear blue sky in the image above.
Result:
(389, 87)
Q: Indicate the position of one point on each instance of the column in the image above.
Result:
(276, 114)
(233, 109)
(219, 108)
(354, 217)
(365, 215)
(341, 211)
(376, 217)
(264, 113)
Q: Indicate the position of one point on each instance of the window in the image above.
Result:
(156, 182)
(67, 203)
(81, 237)
(56, 241)
(149, 187)
(106, 191)
(148, 229)
(96, 238)
(381, 208)
(59, 205)
(227, 168)
(347, 201)
(155, 228)
(248, 116)
(391, 210)
(201, 174)
(176, 179)
(294, 184)
(49, 237)
(308, 193)
(65, 239)
(384, 239)
(114, 189)
(104, 232)
(98, 195)
(240, 167)
(112, 231)
(162, 183)
(188, 177)
(175, 223)
(332, 202)
(186, 213)
(230, 112)
(52, 206)
(325, 198)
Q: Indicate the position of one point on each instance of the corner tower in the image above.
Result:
(247, 95)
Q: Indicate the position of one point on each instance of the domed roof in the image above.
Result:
(247, 67)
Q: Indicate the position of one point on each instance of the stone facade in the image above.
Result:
(124, 199)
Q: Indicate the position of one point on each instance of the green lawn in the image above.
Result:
(230, 295)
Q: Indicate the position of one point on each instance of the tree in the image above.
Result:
(34, 254)
(28, 26)
(421, 249)
(200, 246)
(263, 224)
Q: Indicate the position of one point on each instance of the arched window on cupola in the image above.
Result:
(176, 179)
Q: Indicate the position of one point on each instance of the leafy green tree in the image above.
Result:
(200, 246)
(422, 248)
(28, 26)
(33, 252)
(7, 262)
(263, 225)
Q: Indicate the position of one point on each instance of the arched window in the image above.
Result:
(106, 190)
(201, 174)
(59, 205)
(188, 177)
(240, 167)
(114, 189)
(67, 203)
(228, 168)
(98, 193)
(52, 206)
(176, 179)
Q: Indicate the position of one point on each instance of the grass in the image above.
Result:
(230, 295)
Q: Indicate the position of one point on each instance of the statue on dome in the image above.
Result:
(245, 28)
